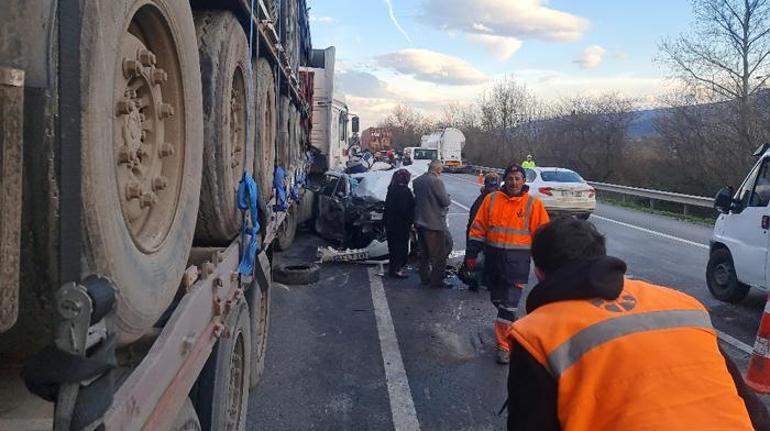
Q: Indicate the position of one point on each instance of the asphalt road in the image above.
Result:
(357, 351)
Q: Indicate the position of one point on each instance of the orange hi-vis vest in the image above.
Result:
(646, 361)
(508, 222)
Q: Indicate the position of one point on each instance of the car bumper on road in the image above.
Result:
(556, 212)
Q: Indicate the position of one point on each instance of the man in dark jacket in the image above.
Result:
(602, 352)
(431, 207)
(491, 184)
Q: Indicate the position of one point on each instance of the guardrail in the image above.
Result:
(685, 200)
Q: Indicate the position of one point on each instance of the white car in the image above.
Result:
(562, 191)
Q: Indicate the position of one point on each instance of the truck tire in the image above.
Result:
(141, 152)
(224, 63)
(288, 229)
(187, 419)
(297, 274)
(266, 121)
(223, 385)
(259, 299)
(284, 133)
(721, 278)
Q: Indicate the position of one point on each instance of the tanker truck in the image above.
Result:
(449, 143)
(146, 152)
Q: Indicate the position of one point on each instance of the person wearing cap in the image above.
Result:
(529, 163)
(503, 228)
(491, 184)
(599, 351)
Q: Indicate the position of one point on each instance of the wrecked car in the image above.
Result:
(344, 217)
(349, 208)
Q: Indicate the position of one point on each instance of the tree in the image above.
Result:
(503, 108)
(406, 126)
(589, 134)
(727, 54)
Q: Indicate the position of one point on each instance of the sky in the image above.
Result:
(429, 53)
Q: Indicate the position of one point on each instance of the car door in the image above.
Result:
(330, 221)
(746, 228)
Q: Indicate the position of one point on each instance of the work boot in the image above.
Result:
(503, 356)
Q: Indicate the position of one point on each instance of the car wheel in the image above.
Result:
(721, 278)
(584, 216)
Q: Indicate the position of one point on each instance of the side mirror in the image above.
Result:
(355, 124)
(723, 202)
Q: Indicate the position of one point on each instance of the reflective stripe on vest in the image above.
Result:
(506, 230)
(569, 352)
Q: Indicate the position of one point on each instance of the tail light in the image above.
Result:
(545, 191)
(591, 193)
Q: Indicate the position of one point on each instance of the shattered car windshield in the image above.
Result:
(329, 185)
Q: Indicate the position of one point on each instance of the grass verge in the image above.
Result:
(642, 206)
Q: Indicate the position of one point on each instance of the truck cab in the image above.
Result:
(738, 258)
(419, 156)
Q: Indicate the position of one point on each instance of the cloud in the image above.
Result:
(501, 47)
(395, 21)
(520, 19)
(323, 19)
(363, 85)
(431, 66)
(592, 57)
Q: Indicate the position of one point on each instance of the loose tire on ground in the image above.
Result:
(187, 419)
(141, 153)
(297, 274)
(224, 63)
(288, 230)
(223, 385)
(721, 278)
(266, 120)
(259, 298)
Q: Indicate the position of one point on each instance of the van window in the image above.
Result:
(760, 196)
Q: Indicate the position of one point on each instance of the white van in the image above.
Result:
(739, 244)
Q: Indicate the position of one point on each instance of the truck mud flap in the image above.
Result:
(11, 126)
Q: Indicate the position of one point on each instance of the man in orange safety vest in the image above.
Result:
(503, 228)
(598, 351)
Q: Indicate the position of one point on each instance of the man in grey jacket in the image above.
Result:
(431, 207)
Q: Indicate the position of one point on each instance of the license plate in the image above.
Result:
(376, 216)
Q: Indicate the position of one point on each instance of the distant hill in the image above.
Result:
(643, 123)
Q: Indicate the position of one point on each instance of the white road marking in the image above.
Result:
(461, 205)
(660, 234)
(400, 394)
(738, 344)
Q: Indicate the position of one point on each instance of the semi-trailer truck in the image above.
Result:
(139, 146)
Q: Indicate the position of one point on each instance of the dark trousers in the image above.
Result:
(505, 298)
(433, 256)
(398, 248)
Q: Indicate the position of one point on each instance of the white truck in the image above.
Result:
(331, 131)
(738, 258)
(449, 143)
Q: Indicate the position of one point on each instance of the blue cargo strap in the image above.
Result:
(248, 194)
(280, 190)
